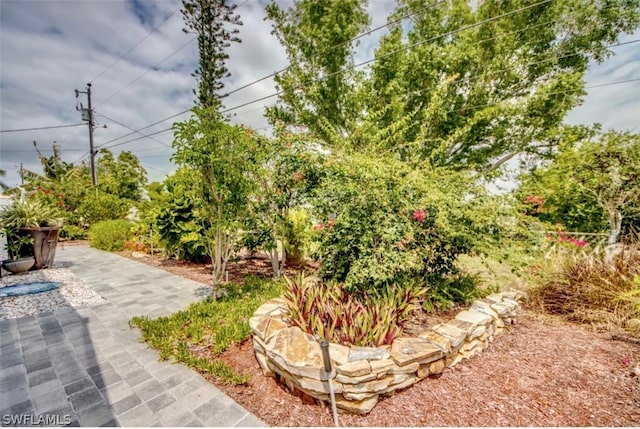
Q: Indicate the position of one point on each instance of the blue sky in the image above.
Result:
(48, 48)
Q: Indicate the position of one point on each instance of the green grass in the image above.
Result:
(209, 325)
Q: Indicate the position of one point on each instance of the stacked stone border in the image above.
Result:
(362, 374)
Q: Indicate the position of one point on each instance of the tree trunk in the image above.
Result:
(615, 225)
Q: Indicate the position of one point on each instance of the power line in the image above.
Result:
(344, 69)
(134, 46)
(488, 20)
(266, 77)
(144, 128)
(158, 64)
(468, 108)
(367, 33)
(41, 150)
(363, 63)
(41, 128)
(151, 149)
(600, 85)
(147, 72)
(81, 158)
(154, 167)
(166, 155)
(137, 138)
(129, 128)
(533, 63)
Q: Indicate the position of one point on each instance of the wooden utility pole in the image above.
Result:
(87, 115)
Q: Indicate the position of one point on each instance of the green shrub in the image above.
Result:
(460, 288)
(73, 232)
(95, 208)
(383, 223)
(366, 318)
(110, 235)
(181, 226)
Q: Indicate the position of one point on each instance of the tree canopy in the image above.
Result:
(593, 185)
(460, 84)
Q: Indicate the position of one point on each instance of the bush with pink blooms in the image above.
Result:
(384, 223)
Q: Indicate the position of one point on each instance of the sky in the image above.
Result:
(139, 62)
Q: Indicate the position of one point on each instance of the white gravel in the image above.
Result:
(73, 292)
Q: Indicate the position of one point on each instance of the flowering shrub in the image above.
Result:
(420, 215)
(561, 236)
(382, 223)
(534, 204)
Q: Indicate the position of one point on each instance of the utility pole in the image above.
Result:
(21, 174)
(87, 115)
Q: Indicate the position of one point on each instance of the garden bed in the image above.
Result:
(545, 372)
(361, 375)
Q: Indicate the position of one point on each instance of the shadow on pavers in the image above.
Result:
(50, 373)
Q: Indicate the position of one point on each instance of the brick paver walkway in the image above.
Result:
(85, 366)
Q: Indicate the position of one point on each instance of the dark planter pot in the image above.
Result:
(18, 265)
(294, 258)
(45, 242)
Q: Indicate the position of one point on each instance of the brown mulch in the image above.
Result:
(543, 372)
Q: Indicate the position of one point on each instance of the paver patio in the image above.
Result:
(88, 364)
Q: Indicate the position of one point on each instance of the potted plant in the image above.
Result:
(31, 228)
(14, 245)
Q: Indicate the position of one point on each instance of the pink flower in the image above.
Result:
(579, 243)
(318, 226)
(420, 215)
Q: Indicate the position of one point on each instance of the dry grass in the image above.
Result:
(589, 288)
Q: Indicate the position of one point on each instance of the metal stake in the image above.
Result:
(324, 346)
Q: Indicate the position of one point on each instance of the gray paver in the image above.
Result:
(78, 386)
(10, 360)
(85, 399)
(137, 376)
(138, 416)
(49, 401)
(126, 404)
(20, 409)
(226, 417)
(148, 389)
(97, 415)
(160, 402)
(42, 376)
(174, 415)
(106, 378)
(116, 391)
(86, 362)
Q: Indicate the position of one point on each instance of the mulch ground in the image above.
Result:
(543, 372)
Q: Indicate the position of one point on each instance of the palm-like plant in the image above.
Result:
(24, 213)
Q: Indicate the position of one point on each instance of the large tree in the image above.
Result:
(123, 176)
(593, 185)
(209, 20)
(317, 37)
(222, 159)
(463, 84)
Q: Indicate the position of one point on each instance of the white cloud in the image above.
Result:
(50, 48)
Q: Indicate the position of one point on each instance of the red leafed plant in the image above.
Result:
(361, 319)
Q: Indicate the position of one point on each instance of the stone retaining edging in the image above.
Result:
(362, 374)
